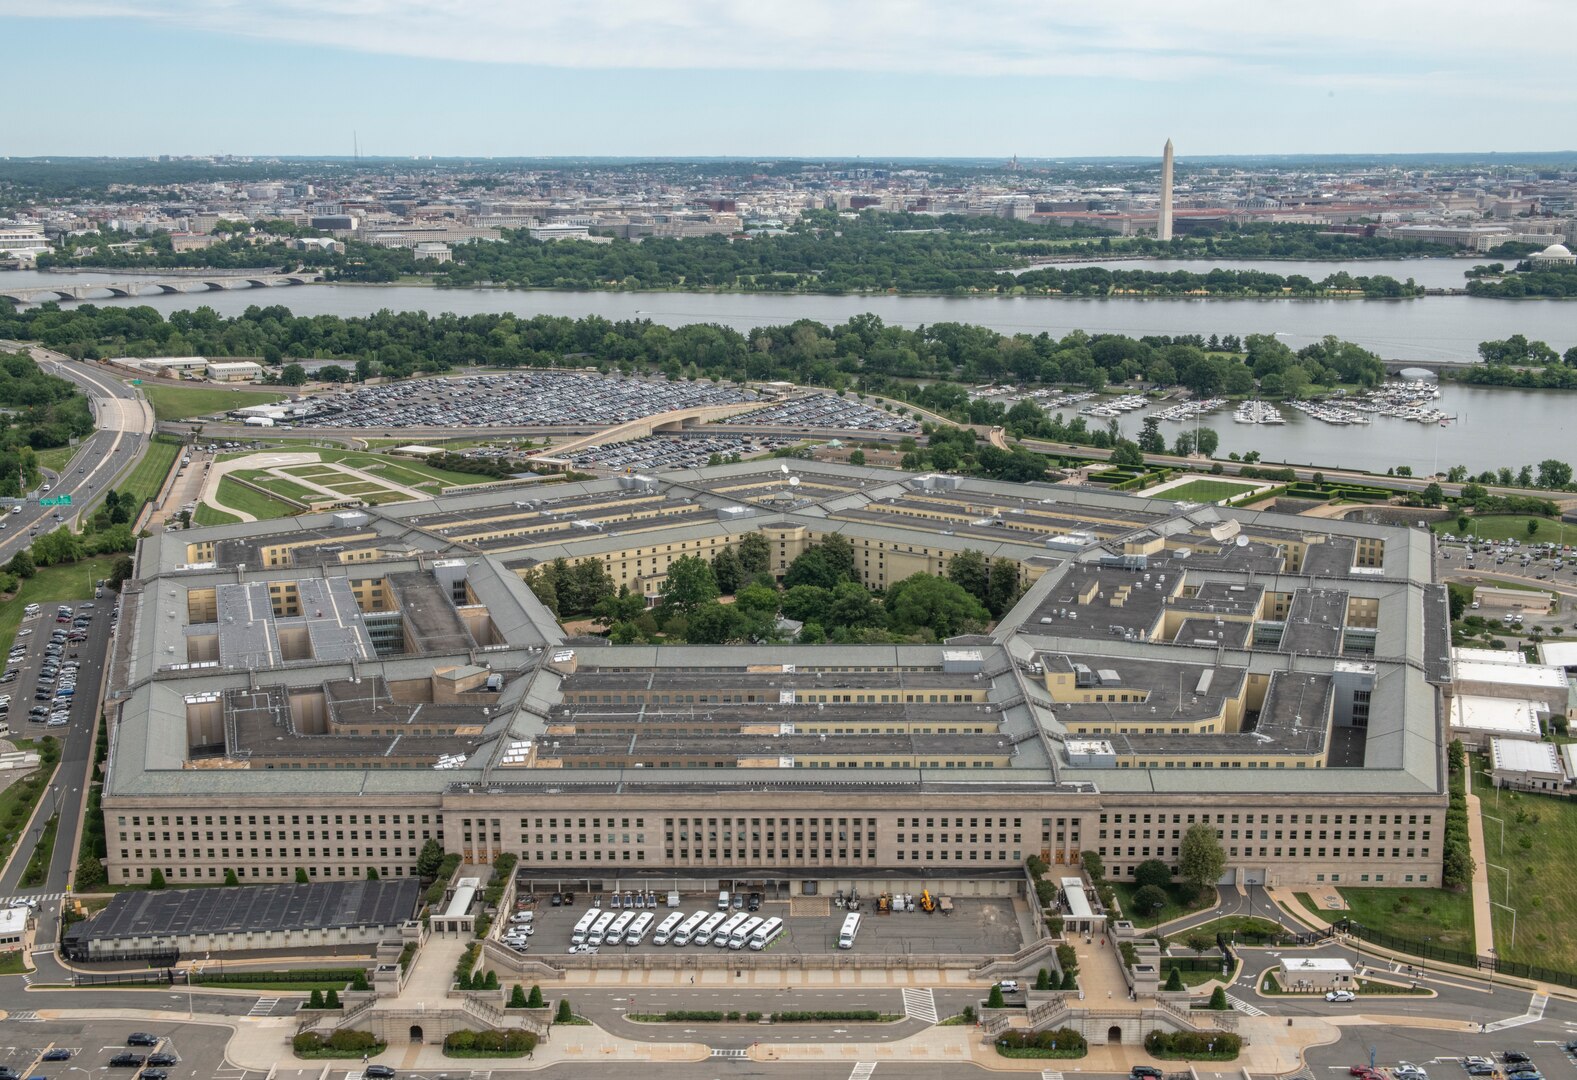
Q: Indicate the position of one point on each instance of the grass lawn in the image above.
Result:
(1539, 837)
(19, 798)
(145, 480)
(1440, 917)
(185, 402)
(247, 501)
(383, 498)
(56, 459)
(207, 515)
(1206, 491)
(396, 466)
(1500, 583)
(1505, 527)
(73, 581)
(1176, 904)
(13, 963)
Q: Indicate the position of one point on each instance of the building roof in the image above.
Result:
(1520, 756)
(1561, 654)
(1512, 717)
(251, 909)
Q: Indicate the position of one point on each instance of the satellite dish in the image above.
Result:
(783, 468)
(793, 481)
(1242, 541)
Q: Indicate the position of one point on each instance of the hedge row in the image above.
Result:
(1061, 1043)
(340, 1044)
(1457, 867)
(513, 1043)
(1217, 1046)
(298, 975)
(446, 869)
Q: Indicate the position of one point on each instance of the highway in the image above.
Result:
(125, 423)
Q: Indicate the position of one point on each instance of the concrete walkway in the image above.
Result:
(251, 461)
(1483, 913)
(1100, 970)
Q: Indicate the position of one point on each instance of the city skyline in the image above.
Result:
(703, 78)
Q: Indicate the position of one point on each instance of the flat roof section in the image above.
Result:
(1315, 622)
(254, 909)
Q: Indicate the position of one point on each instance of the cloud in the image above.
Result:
(1444, 46)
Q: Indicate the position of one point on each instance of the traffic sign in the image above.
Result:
(56, 500)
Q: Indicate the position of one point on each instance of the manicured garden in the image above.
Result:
(246, 500)
(1206, 491)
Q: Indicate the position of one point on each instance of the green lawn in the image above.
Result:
(207, 515)
(288, 488)
(1206, 491)
(394, 467)
(1540, 837)
(1176, 906)
(56, 459)
(1505, 527)
(1442, 918)
(247, 501)
(147, 478)
(13, 963)
(185, 402)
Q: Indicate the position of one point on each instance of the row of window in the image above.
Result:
(1252, 819)
(275, 819)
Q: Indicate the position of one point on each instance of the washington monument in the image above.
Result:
(1163, 226)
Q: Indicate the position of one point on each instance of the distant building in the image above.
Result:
(22, 240)
(559, 232)
(168, 365)
(1554, 255)
(234, 371)
(318, 243)
(186, 241)
(440, 253)
(1163, 228)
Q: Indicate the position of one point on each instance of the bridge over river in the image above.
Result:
(91, 290)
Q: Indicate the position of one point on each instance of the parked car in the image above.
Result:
(1340, 995)
(142, 1038)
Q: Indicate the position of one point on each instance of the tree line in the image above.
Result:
(1529, 279)
(37, 412)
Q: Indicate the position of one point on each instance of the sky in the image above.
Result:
(918, 78)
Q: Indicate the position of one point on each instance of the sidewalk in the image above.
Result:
(1483, 915)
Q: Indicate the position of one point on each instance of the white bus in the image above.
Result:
(703, 934)
(582, 928)
(741, 937)
(621, 923)
(766, 934)
(851, 928)
(722, 935)
(599, 929)
(638, 928)
(665, 929)
(688, 928)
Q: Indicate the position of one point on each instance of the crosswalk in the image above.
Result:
(263, 1006)
(37, 898)
(1050, 1074)
(1534, 1014)
(729, 1052)
(1244, 1007)
(863, 1070)
(26, 1016)
(919, 1003)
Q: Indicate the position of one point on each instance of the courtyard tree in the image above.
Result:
(1201, 859)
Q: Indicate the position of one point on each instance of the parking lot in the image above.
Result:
(977, 926)
(682, 451)
(39, 679)
(99, 1046)
(516, 399)
(827, 411)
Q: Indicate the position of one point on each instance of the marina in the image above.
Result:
(1258, 412)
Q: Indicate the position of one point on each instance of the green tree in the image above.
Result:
(1218, 1000)
(1126, 453)
(1068, 982)
(564, 1015)
(534, 1001)
(1434, 494)
(315, 1000)
(689, 585)
(994, 999)
(755, 554)
(517, 997)
(1152, 872)
(331, 999)
(1533, 526)
(728, 571)
(1151, 441)
(230, 878)
(429, 859)
(490, 981)
(1149, 900)
(1174, 981)
(1554, 474)
(923, 601)
(1208, 441)
(21, 565)
(372, 873)
(293, 375)
(1462, 524)
(856, 457)
(156, 879)
(1201, 860)
(970, 571)
(301, 876)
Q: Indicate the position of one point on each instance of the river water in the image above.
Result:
(1495, 427)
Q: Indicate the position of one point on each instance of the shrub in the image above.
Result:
(564, 1015)
(1067, 958)
(994, 999)
(340, 1044)
(1061, 1043)
(1218, 1000)
(1174, 981)
(534, 1001)
(1213, 1046)
(511, 1043)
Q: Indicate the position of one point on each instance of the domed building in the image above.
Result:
(1555, 255)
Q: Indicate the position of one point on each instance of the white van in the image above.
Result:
(722, 900)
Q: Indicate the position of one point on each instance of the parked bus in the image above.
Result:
(741, 937)
(621, 923)
(766, 934)
(851, 928)
(582, 928)
(638, 928)
(665, 929)
(721, 936)
(599, 929)
(688, 928)
(703, 935)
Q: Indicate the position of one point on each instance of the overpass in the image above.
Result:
(92, 290)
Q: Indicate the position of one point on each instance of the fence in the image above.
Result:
(162, 977)
(1428, 950)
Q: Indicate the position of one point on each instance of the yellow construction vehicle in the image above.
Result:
(884, 903)
(926, 901)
